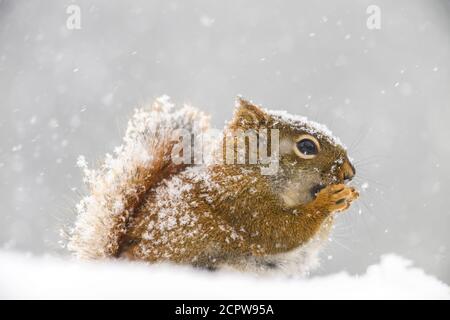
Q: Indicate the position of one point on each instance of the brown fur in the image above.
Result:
(235, 212)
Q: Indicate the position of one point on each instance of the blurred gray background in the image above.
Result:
(384, 92)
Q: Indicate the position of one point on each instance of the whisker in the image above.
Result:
(360, 137)
(341, 245)
(363, 179)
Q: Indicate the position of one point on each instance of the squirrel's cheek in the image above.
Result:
(286, 146)
(296, 193)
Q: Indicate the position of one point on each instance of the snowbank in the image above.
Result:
(24, 276)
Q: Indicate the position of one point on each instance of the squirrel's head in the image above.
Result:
(310, 157)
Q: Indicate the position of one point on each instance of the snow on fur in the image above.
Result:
(26, 277)
(304, 123)
(119, 186)
(114, 188)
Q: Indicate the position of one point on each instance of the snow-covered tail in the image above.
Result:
(118, 188)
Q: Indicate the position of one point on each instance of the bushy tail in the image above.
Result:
(119, 187)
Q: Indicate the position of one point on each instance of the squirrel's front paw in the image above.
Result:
(336, 197)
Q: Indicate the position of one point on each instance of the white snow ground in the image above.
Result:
(26, 277)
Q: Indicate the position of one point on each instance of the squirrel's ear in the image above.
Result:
(248, 115)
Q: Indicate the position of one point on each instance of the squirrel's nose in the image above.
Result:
(348, 171)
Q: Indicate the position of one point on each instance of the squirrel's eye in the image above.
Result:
(307, 147)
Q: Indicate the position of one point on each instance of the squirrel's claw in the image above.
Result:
(336, 197)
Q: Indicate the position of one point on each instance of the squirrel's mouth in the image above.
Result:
(344, 177)
(316, 189)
